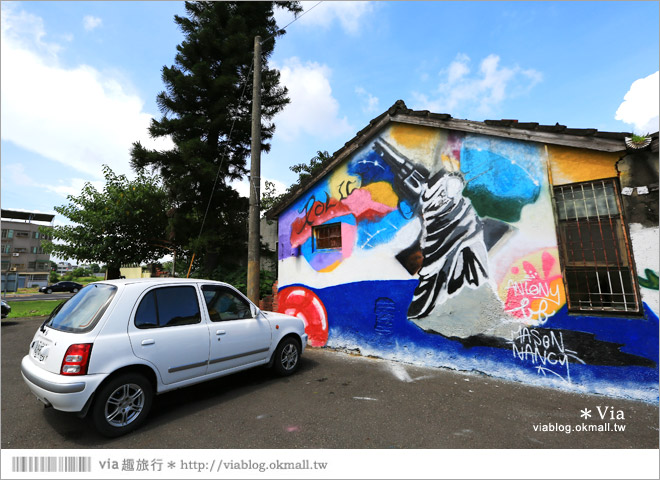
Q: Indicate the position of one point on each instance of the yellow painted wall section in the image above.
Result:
(133, 272)
(572, 165)
(417, 142)
(341, 183)
(382, 192)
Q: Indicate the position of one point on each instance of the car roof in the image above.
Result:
(159, 280)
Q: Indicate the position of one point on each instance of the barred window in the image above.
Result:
(593, 244)
(327, 236)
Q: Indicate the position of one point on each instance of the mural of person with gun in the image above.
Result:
(451, 242)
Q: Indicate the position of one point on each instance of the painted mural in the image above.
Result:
(449, 258)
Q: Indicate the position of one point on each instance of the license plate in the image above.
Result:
(37, 351)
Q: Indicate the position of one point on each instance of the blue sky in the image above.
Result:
(79, 79)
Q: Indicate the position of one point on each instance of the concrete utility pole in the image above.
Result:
(254, 233)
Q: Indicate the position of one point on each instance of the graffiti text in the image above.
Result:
(544, 349)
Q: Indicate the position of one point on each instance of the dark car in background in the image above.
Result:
(6, 309)
(72, 287)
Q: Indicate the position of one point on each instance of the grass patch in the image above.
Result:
(36, 308)
(81, 280)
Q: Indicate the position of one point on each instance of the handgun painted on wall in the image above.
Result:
(409, 178)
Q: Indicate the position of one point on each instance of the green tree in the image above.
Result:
(305, 171)
(80, 272)
(121, 224)
(95, 268)
(53, 277)
(206, 109)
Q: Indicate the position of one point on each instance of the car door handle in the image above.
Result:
(220, 332)
(149, 341)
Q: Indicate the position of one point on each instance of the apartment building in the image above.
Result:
(24, 262)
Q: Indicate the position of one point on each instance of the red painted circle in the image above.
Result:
(303, 303)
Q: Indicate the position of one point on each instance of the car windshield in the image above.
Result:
(83, 310)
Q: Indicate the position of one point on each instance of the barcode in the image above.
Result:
(51, 464)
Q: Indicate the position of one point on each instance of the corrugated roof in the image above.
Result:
(589, 138)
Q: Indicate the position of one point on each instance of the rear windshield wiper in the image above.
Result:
(42, 328)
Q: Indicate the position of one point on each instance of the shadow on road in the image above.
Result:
(172, 406)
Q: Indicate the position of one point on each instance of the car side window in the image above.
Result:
(168, 307)
(224, 304)
(146, 316)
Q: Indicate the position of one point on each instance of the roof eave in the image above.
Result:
(579, 141)
(349, 147)
(555, 135)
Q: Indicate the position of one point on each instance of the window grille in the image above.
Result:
(593, 243)
(327, 236)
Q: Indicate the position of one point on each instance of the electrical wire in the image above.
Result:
(217, 175)
(294, 20)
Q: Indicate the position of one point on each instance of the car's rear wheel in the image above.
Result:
(75, 290)
(287, 356)
(122, 404)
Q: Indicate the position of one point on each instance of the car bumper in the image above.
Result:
(304, 342)
(68, 394)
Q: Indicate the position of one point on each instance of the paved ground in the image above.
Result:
(336, 400)
(10, 297)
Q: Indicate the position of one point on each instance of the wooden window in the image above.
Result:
(594, 247)
(327, 236)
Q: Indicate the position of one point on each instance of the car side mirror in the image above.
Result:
(255, 310)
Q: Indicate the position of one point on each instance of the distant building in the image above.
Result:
(24, 262)
(65, 267)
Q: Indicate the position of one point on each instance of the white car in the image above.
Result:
(110, 348)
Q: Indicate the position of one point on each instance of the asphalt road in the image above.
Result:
(335, 400)
(37, 296)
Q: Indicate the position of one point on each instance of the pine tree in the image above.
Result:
(206, 109)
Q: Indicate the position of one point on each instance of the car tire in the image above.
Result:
(49, 290)
(122, 404)
(75, 290)
(286, 358)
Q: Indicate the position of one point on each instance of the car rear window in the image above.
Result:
(83, 310)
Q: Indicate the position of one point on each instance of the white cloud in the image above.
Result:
(458, 68)
(640, 105)
(370, 104)
(349, 15)
(90, 22)
(478, 93)
(75, 116)
(313, 110)
(73, 187)
(15, 174)
(243, 186)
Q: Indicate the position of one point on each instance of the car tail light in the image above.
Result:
(76, 359)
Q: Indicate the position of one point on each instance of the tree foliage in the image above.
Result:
(305, 171)
(208, 119)
(124, 223)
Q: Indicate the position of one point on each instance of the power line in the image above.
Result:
(224, 154)
(292, 21)
(245, 83)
